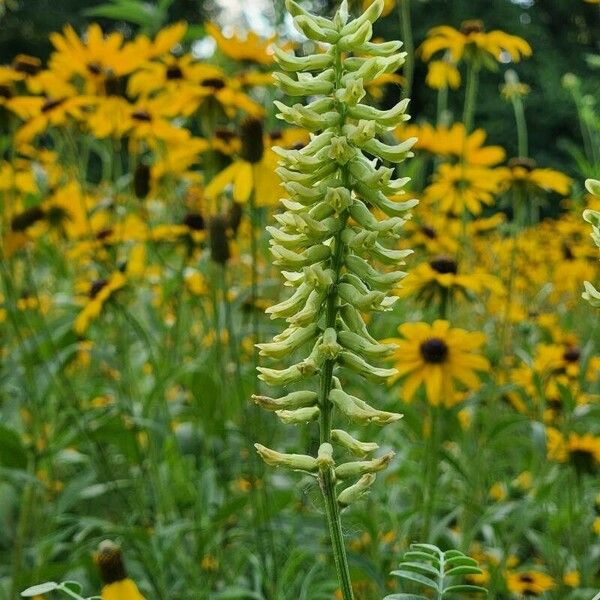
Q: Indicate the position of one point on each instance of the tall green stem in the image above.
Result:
(522, 137)
(409, 48)
(470, 96)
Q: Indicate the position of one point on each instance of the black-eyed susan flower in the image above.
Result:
(529, 583)
(582, 450)
(439, 277)
(117, 585)
(472, 43)
(456, 188)
(99, 291)
(437, 356)
(251, 48)
(523, 173)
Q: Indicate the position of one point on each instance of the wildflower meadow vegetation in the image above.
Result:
(299, 300)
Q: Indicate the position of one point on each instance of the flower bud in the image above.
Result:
(358, 468)
(352, 444)
(291, 401)
(297, 462)
(353, 492)
(300, 415)
(325, 456)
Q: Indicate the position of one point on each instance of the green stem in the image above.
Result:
(442, 106)
(409, 48)
(470, 96)
(522, 137)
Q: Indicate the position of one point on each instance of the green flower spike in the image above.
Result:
(329, 244)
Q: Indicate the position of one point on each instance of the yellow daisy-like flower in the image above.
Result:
(439, 276)
(436, 356)
(99, 292)
(522, 172)
(474, 44)
(533, 583)
(582, 450)
(442, 74)
(454, 143)
(459, 187)
(252, 49)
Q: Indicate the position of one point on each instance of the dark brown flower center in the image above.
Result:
(525, 163)
(94, 68)
(195, 221)
(96, 287)
(27, 64)
(142, 115)
(275, 135)
(103, 234)
(51, 103)
(472, 26)
(110, 563)
(174, 73)
(5, 92)
(27, 218)
(428, 232)
(572, 354)
(251, 134)
(213, 82)
(525, 578)
(225, 134)
(434, 350)
(443, 265)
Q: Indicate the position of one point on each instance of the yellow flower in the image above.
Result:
(474, 44)
(459, 187)
(523, 172)
(433, 279)
(533, 583)
(453, 142)
(436, 355)
(99, 59)
(125, 589)
(252, 48)
(41, 113)
(442, 74)
(572, 579)
(99, 292)
(498, 492)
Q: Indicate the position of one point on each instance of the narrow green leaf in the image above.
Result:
(464, 588)
(461, 560)
(38, 590)
(417, 578)
(464, 570)
(414, 555)
(404, 597)
(12, 452)
(411, 566)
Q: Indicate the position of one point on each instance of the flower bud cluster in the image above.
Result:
(329, 243)
(591, 294)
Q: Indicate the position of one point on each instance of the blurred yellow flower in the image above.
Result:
(252, 48)
(474, 44)
(442, 74)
